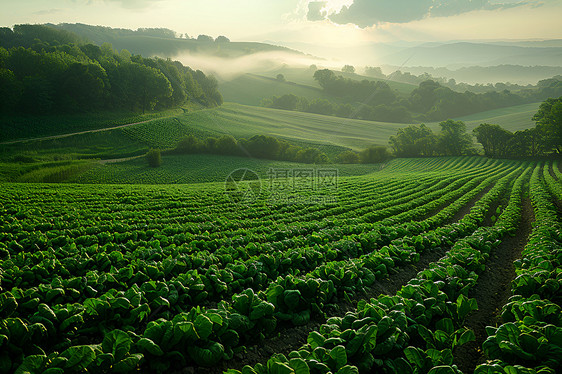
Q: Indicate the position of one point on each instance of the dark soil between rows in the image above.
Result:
(492, 291)
(557, 202)
(291, 338)
(466, 209)
(462, 212)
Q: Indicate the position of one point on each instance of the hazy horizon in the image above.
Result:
(330, 23)
(382, 33)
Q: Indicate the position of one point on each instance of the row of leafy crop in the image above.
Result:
(366, 203)
(554, 186)
(67, 254)
(138, 219)
(412, 332)
(437, 189)
(21, 265)
(425, 165)
(358, 205)
(250, 314)
(212, 278)
(187, 288)
(530, 338)
(557, 171)
(71, 252)
(55, 292)
(130, 213)
(127, 233)
(96, 212)
(127, 210)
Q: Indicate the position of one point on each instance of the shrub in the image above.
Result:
(154, 158)
(374, 155)
(190, 144)
(348, 157)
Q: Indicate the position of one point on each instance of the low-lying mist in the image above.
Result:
(228, 68)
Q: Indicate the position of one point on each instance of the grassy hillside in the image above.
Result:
(243, 121)
(251, 89)
(14, 126)
(513, 118)
(50, 159)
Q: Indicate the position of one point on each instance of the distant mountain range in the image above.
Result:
(453, 54)
(461, 54)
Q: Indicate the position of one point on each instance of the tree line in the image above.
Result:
(44, 70)
(258, 146)
(545, 138)
(302, 104)
(272, 148)
(453, 140)
(430, 101)
(482, 72)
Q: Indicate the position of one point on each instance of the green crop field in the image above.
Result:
(51, 125)
(398, 270)
(197, 169)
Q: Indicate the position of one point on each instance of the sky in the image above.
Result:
(332, 23)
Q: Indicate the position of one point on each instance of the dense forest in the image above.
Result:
(44, 70)
(430, 101)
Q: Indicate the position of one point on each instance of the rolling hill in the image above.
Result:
(59, 159)
(164, 42)
(243, 121)
(251, 89)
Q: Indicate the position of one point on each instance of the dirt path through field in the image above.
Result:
(79, 132)
(493, 289)
(117, 160)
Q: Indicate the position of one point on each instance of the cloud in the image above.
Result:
(366, 13)
(455, 7)
(47, 12)
(317, 10)
(130, 4)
